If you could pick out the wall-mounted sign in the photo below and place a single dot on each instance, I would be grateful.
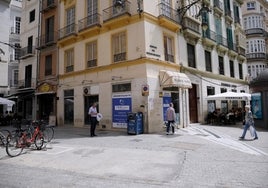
(145, 90)
(121, 107)
(256, 105)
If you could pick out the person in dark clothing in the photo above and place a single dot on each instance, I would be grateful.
(92, 112)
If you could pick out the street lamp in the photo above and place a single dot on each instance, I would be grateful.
(202, 12)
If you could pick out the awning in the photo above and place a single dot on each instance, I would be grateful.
(174, 79)
(46, 93)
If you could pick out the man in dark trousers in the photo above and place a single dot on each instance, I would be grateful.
(92, 112)
(171, 116)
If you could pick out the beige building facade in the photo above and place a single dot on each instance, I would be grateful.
(114, 57)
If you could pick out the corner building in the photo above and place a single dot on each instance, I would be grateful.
(130, 61)
(115, 56)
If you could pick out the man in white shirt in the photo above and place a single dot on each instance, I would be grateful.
(92, 112)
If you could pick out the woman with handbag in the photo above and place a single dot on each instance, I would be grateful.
(249, 121)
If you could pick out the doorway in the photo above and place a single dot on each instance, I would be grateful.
(193, 104)
(89, 100)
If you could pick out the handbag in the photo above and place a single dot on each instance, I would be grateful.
(252, 130)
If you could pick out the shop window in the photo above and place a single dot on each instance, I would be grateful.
(121, 87)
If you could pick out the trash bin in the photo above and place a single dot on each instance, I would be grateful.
(135, 123)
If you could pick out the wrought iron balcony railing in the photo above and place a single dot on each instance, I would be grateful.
(221, 40)
(47, 39)
(168, 12)
(112, 12)
(169, 57)
(27, 52)
(68, 30)
(27, 83)
(92, 63)
(48, 4)
(210, 35)
(120, 57)
(89, 21)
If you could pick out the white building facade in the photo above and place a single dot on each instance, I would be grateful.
(214, 59)
(255, 22)
(28, 60)
(10, 14)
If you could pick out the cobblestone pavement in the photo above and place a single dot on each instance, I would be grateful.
(196, 156)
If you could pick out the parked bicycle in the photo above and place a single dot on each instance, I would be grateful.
(22, 138)
(48, 130)
(3, 137)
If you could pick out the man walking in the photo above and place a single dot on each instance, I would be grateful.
(92, 112)
(170, 118)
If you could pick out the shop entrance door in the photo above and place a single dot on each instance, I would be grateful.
(89, 100)
(193, 104)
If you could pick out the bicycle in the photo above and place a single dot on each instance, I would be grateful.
(22, 138)
(3, 137)
(48, 130)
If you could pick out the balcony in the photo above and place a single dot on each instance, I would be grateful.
(218, 7)
(241, 53)
(92, 63)
(89, 21)
(209, 38)
(169, 57)
(27, 83)
(26, 52)
(89, 25)
(191, 28)
(46, 40)
(48, 5)
(67, 34)
(221, 43)
(228, 16)
(168, 17)
(113, 17)
(256, 56)
(255, 31)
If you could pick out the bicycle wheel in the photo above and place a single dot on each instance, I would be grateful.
(38, 141)
(14, 145)
(48, 134)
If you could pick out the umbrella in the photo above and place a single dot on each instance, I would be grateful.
(6, 101)
(230, 96)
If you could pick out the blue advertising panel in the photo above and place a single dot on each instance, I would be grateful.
(256, 105)
(122, 105)
(166, 101)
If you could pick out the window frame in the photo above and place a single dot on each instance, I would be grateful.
(119, 47)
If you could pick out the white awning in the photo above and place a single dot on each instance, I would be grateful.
(174, 79)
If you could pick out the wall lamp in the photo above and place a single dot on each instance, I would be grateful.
(202, 12)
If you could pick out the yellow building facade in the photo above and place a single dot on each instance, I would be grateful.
(124, 59)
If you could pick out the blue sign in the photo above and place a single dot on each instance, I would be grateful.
(256, 105)
(166, 101)
(122, 105)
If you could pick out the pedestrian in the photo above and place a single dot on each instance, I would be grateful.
(170, 115)
(92, 112)
(249, 121)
